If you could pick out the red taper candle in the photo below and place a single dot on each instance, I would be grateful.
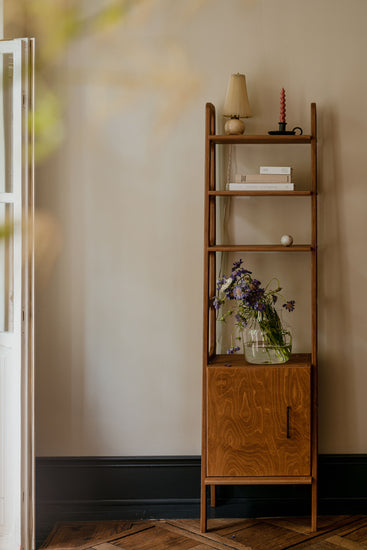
(282, 105)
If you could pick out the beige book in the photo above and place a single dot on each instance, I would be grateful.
(263, 178)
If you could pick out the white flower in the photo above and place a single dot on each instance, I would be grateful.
(228, 283)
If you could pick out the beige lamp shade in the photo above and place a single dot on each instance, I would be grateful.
(236, 103)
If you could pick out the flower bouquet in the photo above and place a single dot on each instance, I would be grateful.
(242, 297)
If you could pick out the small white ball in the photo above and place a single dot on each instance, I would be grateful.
(286, 240)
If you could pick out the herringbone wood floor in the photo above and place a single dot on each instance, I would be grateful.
(336, 532)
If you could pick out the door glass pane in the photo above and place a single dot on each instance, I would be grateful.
(6, 115)
(6, 270)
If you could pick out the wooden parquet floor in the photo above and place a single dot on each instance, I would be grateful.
(334, 533)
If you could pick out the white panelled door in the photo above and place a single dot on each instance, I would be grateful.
(16, 294)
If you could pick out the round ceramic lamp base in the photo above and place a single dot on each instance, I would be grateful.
(234, 126)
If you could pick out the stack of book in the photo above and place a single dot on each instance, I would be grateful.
(270, 178)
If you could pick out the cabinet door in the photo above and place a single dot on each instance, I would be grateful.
(259, 421)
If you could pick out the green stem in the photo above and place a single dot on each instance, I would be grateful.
(273, 333)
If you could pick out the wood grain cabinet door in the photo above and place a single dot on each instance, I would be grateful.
(259, 421)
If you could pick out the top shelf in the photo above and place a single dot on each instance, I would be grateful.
(259, 139)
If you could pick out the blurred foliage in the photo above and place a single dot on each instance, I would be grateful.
(56, 24)
(5, 230)
(48, 125)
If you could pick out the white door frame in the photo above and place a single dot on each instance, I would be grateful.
(17, 335)
(27, 396)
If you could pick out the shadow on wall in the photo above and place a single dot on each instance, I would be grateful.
(336, 379)
(48, 244)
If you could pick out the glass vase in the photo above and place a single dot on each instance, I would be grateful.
(264, 347)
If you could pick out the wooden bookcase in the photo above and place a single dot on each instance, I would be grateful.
(259, 421)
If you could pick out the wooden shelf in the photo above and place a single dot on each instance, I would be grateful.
(260, 193)
(259, 421)
(259, 248)
(259, 139)
(258, 480)
(238, 360)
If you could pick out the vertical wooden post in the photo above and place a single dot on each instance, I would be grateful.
(212, 234)
(212, 261)
(203, 518)
(314, 448)
(209, 269)
(212, 496)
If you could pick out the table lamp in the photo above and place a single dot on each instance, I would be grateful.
(236, 104)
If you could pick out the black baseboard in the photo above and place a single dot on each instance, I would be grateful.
(101, 488)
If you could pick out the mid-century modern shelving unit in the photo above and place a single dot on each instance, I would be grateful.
(259, 421)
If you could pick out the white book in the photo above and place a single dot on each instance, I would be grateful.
(260, 187)
(275, 169)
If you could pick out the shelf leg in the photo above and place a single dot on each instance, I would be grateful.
(314, 506)
(212, 496)
(203, 519)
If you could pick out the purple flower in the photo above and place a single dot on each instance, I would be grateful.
(238, 293)
(233, 349)
(254, 296)
(241, 271)
(289, 306)
(240, 322)
(254, 284)
(259, 306)
(236, 265)
(216, 303)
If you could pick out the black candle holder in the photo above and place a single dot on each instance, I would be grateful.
(283, 132)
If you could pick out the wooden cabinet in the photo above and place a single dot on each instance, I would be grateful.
(259, 421)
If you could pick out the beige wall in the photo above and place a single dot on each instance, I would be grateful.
(119, 323)
(1, 18)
